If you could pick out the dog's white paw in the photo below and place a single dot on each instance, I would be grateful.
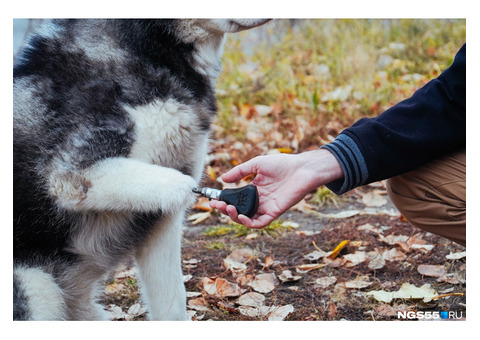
(176, 193)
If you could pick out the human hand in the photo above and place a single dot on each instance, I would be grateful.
(282, 180)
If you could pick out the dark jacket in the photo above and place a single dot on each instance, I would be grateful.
(428, 125)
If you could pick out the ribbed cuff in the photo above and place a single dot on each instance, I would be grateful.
(353, 164)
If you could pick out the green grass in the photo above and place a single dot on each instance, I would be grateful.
(323, 70)
(324, 197)
(275, 228)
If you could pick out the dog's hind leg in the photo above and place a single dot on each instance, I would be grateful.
(161, 278)
(36, 296)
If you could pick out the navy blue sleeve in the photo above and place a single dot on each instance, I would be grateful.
(421, 128)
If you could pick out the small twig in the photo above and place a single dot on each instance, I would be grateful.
(445, 295)
(316, 247)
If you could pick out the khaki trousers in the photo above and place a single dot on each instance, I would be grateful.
(433, 197)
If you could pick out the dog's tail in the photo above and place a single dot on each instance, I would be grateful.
(36, 296)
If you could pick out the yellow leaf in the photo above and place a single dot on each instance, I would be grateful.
(248, 111)
(284, 150)
(211, 173)
(244, 109)
(337, 249)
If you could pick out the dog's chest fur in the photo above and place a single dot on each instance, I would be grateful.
(165, 133)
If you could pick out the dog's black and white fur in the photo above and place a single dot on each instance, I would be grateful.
(111, 122)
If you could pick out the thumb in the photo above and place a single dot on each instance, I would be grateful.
(241, 171)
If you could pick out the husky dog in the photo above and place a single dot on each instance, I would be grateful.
(111, 123)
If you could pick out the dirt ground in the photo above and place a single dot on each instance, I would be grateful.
(336, 290)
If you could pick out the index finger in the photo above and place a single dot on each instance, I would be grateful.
(240, 171)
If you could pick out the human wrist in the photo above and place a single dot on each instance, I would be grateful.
(321, 166)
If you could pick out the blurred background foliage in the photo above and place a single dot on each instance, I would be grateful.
(321, 75)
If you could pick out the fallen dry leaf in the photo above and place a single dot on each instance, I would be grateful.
(192, 263)
(316, 254)
(210, 171)
(260, 311)
(338, 262)
(245, 279)
(339, 215)
(387, 310)
(355, 258)
(407, 291)
(453, 278)
(432, 270)
(193, 294)
(241, 255)
(114, 288)
(250, 311)
(125, 272)
(252, 299)
(371, 228)
(337, 249)
(220, 287)
(358, 243)
(325, 281)
(416, 239)
(425, 248)
(393, 239)
(199, 217)
(191, 315)
(307, 232)
(304, 268)
(234, 266)
(456, 256)
(199, 304)
(136, 310)
(358, 283)
(203, 204)
(268, 262)
(264, 283)
(376, 260)
(394, 255)
(280, 313)
(373, 199)
(286, 276)
(115, 312)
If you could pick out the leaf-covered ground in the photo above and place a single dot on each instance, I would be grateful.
(287, 272)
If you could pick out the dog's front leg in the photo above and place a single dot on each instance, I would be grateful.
(160, 272)
(122, 184)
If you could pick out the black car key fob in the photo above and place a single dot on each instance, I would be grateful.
(245, 199)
